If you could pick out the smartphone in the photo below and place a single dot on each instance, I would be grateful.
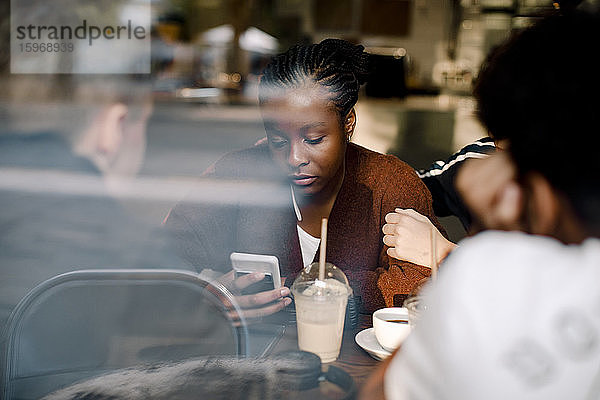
(245, 263)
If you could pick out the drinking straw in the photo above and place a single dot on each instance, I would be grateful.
(433, 252)
(323, 249)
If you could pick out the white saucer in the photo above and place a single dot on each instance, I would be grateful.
(366, 339)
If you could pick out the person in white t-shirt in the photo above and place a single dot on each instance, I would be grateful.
(515, 314)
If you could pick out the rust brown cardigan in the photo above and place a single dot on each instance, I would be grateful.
(374, 184)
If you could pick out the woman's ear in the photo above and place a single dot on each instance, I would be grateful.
(110, 128)
(350, 123)
(103, 138)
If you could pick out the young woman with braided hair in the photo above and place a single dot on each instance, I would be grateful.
(307, 97)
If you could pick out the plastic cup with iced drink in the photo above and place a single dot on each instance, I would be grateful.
(320, 310)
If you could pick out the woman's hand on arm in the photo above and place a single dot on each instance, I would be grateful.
(408, 235)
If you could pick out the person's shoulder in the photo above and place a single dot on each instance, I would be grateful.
(491, 247)
(42, 150)
(373, 165)
(448, 168)
(370, 158)
(512, 243)
(516, 257)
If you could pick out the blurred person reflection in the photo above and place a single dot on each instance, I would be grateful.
(67, 143)
(514, 312)
(307, 97)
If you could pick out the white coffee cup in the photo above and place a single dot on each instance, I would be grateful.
(391, 326)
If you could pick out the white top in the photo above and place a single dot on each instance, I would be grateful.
(511, 316)
(308, 245)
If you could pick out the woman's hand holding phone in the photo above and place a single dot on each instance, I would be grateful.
(255, 305)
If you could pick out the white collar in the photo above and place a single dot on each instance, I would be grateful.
(296, 208)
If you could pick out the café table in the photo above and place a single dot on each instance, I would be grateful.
(352, 359)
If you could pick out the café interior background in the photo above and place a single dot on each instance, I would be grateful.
(207, 55)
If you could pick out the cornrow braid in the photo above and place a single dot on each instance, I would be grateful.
(337, 65)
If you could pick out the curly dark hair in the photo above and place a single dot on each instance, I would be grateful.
(541, 91)
(337, 65)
